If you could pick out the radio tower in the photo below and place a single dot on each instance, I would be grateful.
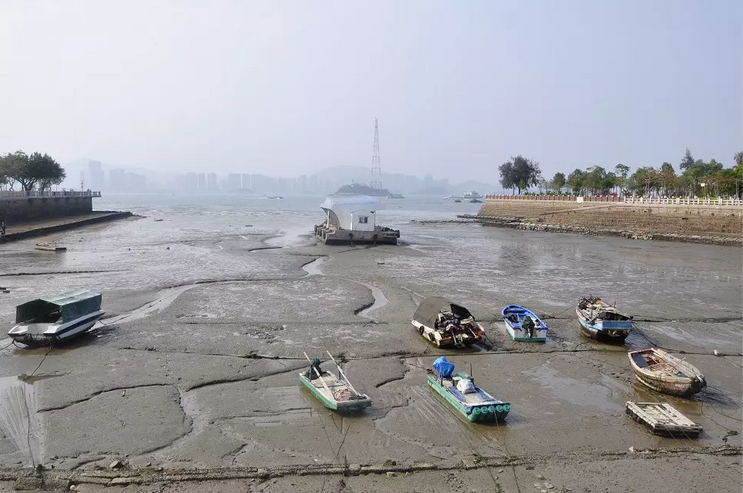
(376, 171)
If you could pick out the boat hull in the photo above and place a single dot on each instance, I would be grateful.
(447, 340)
(675, 389)
(486, 412)
(55, 333)
(605, 331)
(682, 380)
(342, 406)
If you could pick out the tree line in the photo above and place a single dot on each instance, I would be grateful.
(34, 172)
(696, 178)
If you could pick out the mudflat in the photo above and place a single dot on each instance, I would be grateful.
(191, 380)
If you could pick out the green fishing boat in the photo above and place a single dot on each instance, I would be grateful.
(460, 391)
(335, 392)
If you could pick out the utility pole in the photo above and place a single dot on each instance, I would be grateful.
(376, 171)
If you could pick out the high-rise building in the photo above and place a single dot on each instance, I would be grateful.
(96, 175)
(118, 180)
(191, 182)
(201, 182)
(247, 182)
(234, 182)
(212, 182)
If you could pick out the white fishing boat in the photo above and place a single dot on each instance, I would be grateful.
(56, 318)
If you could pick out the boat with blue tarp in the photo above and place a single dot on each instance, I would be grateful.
(523, 325)
(460, 391)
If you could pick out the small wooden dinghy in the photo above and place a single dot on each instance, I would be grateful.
(335, 392)
(523, 325)
(663, 419)
(601, 321)
(460, 391)
(50, 247)
(666, 373)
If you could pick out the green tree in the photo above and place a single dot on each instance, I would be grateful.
(576, 180)
(621, 171)
(520, 173)
(558, 181)
(667, 177)
(31, 171)
(45, 170)
(739, 159)
(687, 162)
(644, 180)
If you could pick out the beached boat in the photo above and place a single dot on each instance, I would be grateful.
(663, 419)
(446, 324)
(523, 325)
(666, 373)
(335, 392)
(460, 391)
(601, 321)
(50, 247)
(56, 318)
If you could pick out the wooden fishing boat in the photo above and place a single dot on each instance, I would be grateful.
(460, 391)
(50, 247)
(446, 324)
(523, 325)
(666, 373)
(601, 321)
(663, 419)
(335, 392)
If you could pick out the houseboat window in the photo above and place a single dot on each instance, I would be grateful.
(363, 219)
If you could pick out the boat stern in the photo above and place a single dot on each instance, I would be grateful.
(488, 412)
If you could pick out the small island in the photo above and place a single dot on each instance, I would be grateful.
(359, 189)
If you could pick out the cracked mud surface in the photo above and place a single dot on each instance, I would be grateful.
(195, 366)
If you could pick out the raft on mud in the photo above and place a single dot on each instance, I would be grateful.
(601, 321)
(663, 419)
(666, 373)
(335, 392)
(460, 391)
(446, 324)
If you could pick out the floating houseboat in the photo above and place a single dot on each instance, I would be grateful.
(352, 219)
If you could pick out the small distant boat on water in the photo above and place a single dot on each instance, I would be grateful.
(335, 392)
(275, 197)
(460, 391)
(395, 196)
(666, 373)
(458, 201)
(475, 201)
(523, 325)
(601, 321)
(56, 318)
(446, 324)
(50, 247)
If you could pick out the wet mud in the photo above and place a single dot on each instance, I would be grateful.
(195, 366)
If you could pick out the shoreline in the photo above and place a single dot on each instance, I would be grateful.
(47, 228)
(530, 225)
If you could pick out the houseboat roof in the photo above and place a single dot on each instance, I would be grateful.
(73, 305)
(356, 201)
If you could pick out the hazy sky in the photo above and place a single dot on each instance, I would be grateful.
(289, 87)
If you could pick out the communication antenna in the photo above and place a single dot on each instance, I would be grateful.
(376, 171)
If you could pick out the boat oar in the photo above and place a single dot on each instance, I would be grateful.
(342, 373)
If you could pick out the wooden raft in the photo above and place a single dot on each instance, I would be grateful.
(663, 419)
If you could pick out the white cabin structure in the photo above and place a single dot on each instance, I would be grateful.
(353, 219)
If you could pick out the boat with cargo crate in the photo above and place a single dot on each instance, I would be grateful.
(666, 373)
(460, 391)
(334, 392)
(601, 321)
(56, 318)
(446, 324)
(663, 419)
(523, 325)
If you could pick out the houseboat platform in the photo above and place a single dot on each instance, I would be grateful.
(351, 220)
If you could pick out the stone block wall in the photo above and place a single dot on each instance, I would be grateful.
(16, 210)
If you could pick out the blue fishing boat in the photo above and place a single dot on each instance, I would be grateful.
(460, 391)
(523, 325)
(601, 321)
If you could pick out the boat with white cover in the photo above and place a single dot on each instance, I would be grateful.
(56, 318)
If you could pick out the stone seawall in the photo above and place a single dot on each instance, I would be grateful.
(702, 224)
(20, 209)
(49, 227)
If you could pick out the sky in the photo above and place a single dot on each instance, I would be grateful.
(289, 87)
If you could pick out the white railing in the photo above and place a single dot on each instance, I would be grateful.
(680, 201)
(14, 194)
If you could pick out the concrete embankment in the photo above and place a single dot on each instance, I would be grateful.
(42, 228)
(718, 225)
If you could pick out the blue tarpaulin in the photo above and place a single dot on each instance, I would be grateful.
(443, 367)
